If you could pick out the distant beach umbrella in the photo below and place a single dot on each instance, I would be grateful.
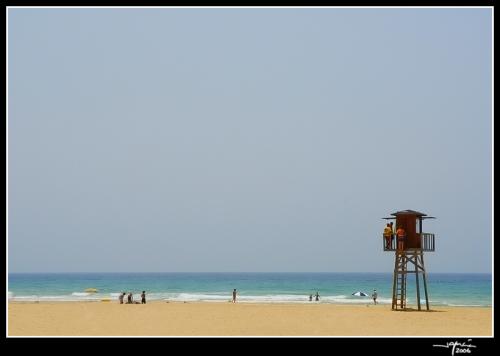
(360, 294)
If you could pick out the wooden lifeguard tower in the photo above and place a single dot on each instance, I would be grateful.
(411, 250)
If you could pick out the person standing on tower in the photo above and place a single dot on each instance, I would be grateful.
(392, 231)
(387, 236)
(401, 234)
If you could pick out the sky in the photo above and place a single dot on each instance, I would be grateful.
(253, 139)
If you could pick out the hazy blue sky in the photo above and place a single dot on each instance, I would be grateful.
(246, 139)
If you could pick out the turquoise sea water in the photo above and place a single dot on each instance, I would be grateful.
(444, 289)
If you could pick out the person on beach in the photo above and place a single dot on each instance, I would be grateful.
(143, 297)
(400, 234)
(234, 295)
(130, 299)
(120, 297)
(317, 296)
(387, 236)
(374, 296)
(310, 297)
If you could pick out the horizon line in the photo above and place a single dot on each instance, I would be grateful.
(234, 272)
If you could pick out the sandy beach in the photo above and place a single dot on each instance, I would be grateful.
(160, 318)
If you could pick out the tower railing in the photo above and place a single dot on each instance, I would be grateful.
(389, 245)
(427, 242)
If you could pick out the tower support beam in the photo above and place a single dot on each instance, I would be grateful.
(416, 259)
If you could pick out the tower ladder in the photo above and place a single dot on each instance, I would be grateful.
(399, 285)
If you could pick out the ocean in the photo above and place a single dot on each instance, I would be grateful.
(445, 289)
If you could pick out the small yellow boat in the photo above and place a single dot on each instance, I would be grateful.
(91, 290)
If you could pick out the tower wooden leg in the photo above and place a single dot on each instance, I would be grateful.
(394, 289)
(425, 282)
(416, 278)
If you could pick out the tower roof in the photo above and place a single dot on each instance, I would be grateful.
(408, 212)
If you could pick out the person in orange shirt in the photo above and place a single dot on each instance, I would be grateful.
(387, 236)
(392, 231)
(401, 234)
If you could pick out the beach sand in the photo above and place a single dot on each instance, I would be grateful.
(160, 318)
